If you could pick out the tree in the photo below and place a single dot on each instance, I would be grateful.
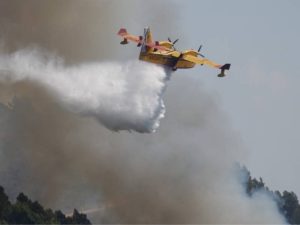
(295, 219)
(24, 211)
(4, 204)
(290, 205)
(287, 202)
(78, 218)
(60, 217)
(22, 198)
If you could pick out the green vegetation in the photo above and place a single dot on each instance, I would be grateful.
(24, 211)
(287, 202)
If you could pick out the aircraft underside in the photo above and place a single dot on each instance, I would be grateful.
(174, 63)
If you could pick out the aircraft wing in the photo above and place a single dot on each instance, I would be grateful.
(201, 61)
(168, 52)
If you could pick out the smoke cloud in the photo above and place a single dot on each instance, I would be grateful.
(172, 176)
(182, 173)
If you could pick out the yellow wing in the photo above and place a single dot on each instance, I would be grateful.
(170, 53)
(201, 61)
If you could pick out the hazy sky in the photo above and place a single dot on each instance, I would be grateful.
(259, 38)
(260, 94)
(258, 97)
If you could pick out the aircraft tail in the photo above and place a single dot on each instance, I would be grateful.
(147, 41)
(223, 68)
(122, 32)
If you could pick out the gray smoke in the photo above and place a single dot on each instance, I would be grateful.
(180, 174)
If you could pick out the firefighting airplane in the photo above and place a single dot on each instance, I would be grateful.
(164, 52)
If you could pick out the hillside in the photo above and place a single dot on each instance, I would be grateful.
(25, 211)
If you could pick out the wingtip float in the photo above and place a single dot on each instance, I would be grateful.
(164, 52)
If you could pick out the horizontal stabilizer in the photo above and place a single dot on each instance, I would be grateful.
(225, 66)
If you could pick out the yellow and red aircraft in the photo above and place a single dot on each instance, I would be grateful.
(164, 52)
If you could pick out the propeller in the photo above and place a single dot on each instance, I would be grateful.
(174, 42)
(199, 49)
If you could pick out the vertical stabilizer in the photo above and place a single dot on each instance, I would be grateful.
(147, 40)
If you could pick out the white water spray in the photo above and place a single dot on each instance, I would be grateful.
(122, 96)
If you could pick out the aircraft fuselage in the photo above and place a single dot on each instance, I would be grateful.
(166, 60)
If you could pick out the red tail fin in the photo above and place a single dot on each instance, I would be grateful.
(122, 32)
